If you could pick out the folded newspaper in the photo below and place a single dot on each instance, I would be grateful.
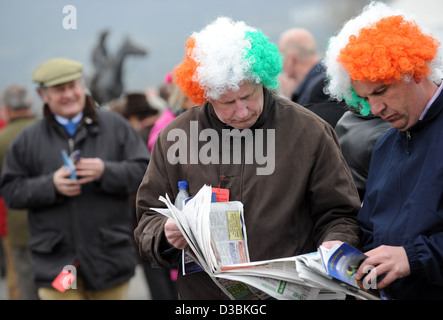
(217, 239)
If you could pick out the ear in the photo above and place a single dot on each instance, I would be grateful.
(42, 95)
(417, 80)
(293, 58)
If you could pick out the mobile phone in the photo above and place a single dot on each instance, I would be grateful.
(69, 163)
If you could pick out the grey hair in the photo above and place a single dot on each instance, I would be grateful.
(16, 97)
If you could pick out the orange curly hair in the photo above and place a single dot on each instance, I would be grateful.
(184, 75)
(378, 54)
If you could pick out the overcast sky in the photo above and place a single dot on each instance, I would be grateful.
(32, 31)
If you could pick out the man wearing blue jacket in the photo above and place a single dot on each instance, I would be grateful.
(383, 63)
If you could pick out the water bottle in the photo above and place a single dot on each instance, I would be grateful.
(183, 194)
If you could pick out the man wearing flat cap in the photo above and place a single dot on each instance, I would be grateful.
(79, 218)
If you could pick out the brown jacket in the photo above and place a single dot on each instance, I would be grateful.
(309, 198)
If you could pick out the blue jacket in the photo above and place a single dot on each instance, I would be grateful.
(403, 205)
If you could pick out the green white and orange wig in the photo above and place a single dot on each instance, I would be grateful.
(224, 55)
(379, 45)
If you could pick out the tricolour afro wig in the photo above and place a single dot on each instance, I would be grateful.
(224, 55)
(379, 45)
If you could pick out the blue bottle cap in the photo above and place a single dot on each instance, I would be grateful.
(183, 185)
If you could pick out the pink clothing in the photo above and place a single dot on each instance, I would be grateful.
(166, 117)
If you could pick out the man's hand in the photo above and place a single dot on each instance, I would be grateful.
(86, 169)
(65, 185)
(173, 235)
(89, 169)
(388, 260)
(330, 244)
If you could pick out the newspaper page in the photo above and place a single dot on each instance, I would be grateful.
(282, 269)
(238, 290)
(342, 262)
(310, 268)
(278, 289)
(216, 234)
(228, 239)
(195, 211)
(185, 228)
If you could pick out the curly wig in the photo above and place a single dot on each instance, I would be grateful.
(379, 45)
(224, 55)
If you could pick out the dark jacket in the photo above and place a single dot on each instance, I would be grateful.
(309, 197)
(403, 205)
(94, 228)
(310, 91)
(310, 94)
(357, 135)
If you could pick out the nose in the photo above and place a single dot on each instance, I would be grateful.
(377, 106)
(68, 93)
(241, 110)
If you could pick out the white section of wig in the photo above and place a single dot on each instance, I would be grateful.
(219, 50)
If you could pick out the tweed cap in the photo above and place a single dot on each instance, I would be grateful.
(57, 71)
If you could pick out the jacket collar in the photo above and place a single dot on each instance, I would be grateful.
(434, 111)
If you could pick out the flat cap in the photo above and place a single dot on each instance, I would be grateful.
(57, 71)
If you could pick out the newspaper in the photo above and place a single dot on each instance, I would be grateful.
(217, 239)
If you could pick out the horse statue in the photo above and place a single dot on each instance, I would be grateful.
(106, 83)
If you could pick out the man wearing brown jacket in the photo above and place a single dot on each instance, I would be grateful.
(280, 160)
(18, 108)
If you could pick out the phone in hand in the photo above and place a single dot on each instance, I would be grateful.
(70, 161)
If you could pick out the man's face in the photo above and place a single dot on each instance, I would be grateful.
(240, 109)
(400, 103)
(66, 100)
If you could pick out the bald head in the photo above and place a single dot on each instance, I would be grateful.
(298, 41)
(299, 49)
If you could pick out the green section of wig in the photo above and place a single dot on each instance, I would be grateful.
(265, 59)
(358, 104)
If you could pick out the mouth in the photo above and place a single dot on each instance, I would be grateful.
(71, 103)
(243, 123)
(392, 118)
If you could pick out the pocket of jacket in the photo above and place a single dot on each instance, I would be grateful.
(113, 237)
(45, 242)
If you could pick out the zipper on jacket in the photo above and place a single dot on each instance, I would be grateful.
(408, 152)
(71, 145)
(400, 200)
(408, 142)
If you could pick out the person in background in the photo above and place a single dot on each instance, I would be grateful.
(18, 108)
(79, 217)
(303, 68)
(177, 103)
(140, 114)
(136, 107)
(384, 63)
(290, 200)
(302, 64)
(7, 267)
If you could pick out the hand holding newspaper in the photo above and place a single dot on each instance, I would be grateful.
(215, 232)
(217, 238)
